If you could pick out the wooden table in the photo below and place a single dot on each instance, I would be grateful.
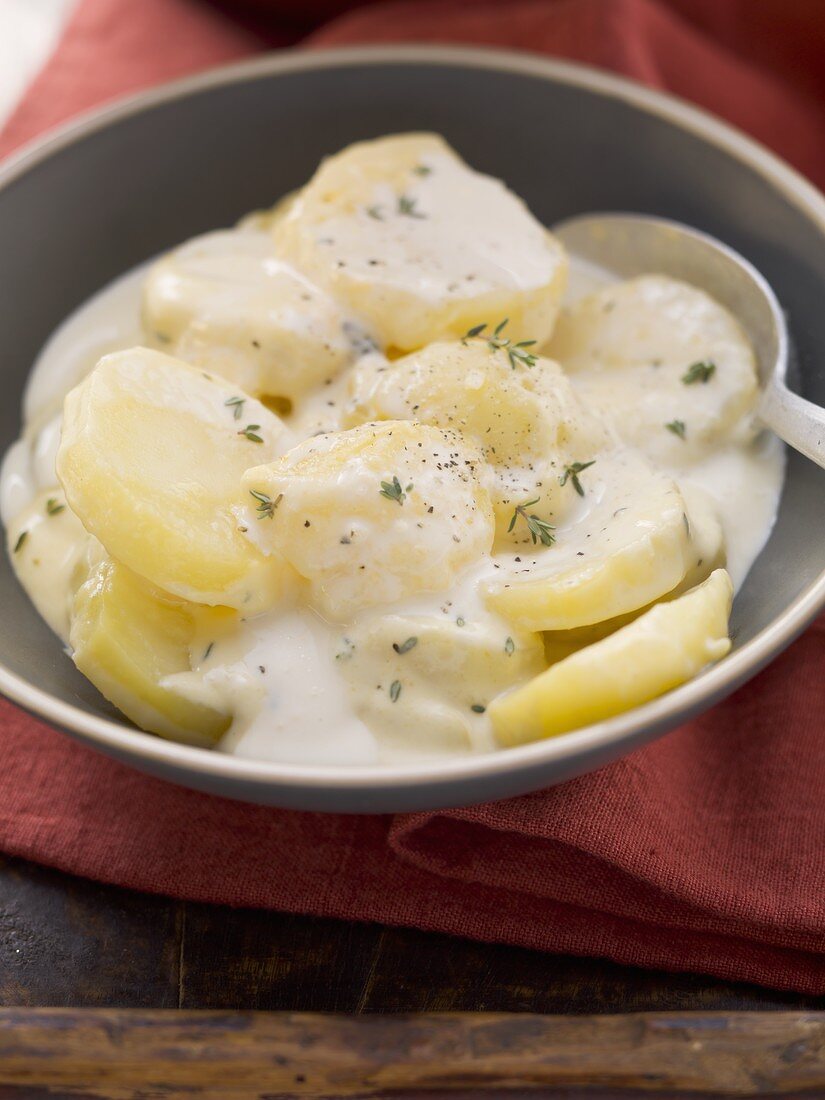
(69, 942)
(79, 945)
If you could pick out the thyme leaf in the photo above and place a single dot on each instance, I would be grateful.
(405, 647)
(236, 404)
(540, 530)
(392, 490)
(678, 427)
(516, 352)
(266, 505)
(701, 371)
(406, 206)
(571, 474)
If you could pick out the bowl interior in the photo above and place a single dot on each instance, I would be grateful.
(124, 191)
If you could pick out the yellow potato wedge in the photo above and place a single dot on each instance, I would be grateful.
(653, 352)
(657, 652)
(629, 545)
(127, 636)
(226, 303)
(421, 247)
(151, 460)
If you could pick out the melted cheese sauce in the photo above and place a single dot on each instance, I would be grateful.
(287, 676)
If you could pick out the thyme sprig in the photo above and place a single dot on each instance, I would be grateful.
(540, 530)
(251, 433)
(571, 474)
(266, 505)
(405, 647)
(516, 353)
(701, 371)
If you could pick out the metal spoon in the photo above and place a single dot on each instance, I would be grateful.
(633, 244)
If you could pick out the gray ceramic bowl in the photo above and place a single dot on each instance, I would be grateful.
(123, 184)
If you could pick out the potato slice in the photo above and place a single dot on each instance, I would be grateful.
(708, 553)
(151, 459)
(628, 545)
(527, 420)
(662, 649)
(127, 636)
(226, 303)
(653, 352)
(421, 247)
(374, 514)
(422, 682)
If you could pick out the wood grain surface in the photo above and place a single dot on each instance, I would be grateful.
(111, 957)
(69, 942)
(135, 1053)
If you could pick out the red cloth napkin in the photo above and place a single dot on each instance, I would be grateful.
(704, 851)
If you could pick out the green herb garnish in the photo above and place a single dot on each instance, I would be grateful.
(405, 647)
(54, 507)
(571, 474)
(678, 427)
(477, 708)
(207, 651)
(422, 170)
(509, 647)
(392, 490)
(251, 433)
(702, 371)
(375, 212)
(236, 404)
(21, 538)
(395, 690)
(266, 505)
(406, 206)
(516, 353)
(540, 530)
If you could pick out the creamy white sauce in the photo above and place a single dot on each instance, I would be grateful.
(279, 672)
(437, 250)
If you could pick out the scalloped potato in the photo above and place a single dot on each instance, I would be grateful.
(527, 420)
(375, 514)
(420, 246)
(376, 492)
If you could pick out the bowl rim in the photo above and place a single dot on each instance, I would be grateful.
(641, 723)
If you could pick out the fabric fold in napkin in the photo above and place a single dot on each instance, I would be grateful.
(704, 851)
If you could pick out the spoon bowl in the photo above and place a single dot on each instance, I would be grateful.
(634, 244)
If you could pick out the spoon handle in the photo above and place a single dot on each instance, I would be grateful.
(799, 422)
